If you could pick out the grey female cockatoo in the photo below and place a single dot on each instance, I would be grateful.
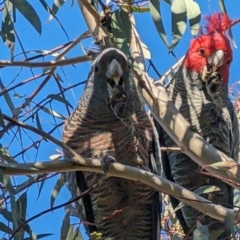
(110, 124)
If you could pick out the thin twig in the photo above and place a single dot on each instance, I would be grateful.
(127, 172)
(45, 81)
(91, 10)
(55, 208)
(54, 63)
(176, 65)
(171, 149)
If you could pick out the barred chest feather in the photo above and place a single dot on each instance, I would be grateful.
(128, 141)
(93, 138)
(189, 95)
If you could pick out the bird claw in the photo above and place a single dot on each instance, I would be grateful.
(106, 161)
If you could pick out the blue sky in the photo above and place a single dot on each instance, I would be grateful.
(53, 36)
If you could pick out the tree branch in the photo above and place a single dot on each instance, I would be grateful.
(191, 143)
(92, 19)
(54, 63)
(131, 173)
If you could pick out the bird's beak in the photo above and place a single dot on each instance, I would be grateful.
(216, 60)
(114, 71)
(117, 95)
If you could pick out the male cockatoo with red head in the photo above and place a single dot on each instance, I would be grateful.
(199, 90)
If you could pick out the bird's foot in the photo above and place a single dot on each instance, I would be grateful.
(106, 161)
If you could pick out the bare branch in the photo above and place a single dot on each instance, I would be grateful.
(171, 149)
(56, 63)
(92, 19)
(191, 143)
(163, 78)
(131, 173)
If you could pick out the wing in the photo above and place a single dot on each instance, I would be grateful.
(234, 135)
(75, 180)
(155, 167)
(167, 172)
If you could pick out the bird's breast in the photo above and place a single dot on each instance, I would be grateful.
(128, 144)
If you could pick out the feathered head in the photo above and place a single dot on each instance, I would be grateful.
(211, 49)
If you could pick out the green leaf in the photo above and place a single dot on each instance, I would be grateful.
(236, 199)
(39, 126)
(136, 9)
(16, 95)
(21, 209)
(28, 230)
(199, 191)
(49, 10)
(5, 228)
(21, 204)
(2, 124)
(15, 216)
(179, 21)
(220, 165)
(157, 18)
(222, 6)
(55, 7)
(215, 234)
(121, 30)
(193, 15)
(55, 157)
(40, 189)
(60, 99)
(8, 33)
(224, 10)
(201, 232)
(56, 190)
(7, 98)
(29, 13)
(230, 225)
(53, 113)
(39, 236)
(6, 181)
(7, 215)
(74, 234)
(65, 226)
(206, 189)
(4, 154)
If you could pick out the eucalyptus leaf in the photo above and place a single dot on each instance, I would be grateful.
(179, 21)
(121, 30)
(7, 31)
(39, 236)
(193, 15)
(201, 232)
(5, 228)
(56, 190)
(65, 226)
(224, 10)
(157, 18)
(26, 9)
(60, 99)
(53, 113)
(55, 8)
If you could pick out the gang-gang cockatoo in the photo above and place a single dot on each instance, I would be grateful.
(110, 124)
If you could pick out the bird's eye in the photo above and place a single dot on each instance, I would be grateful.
(228, 62)
(111, 82)
(202, 51)
(96, 68)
